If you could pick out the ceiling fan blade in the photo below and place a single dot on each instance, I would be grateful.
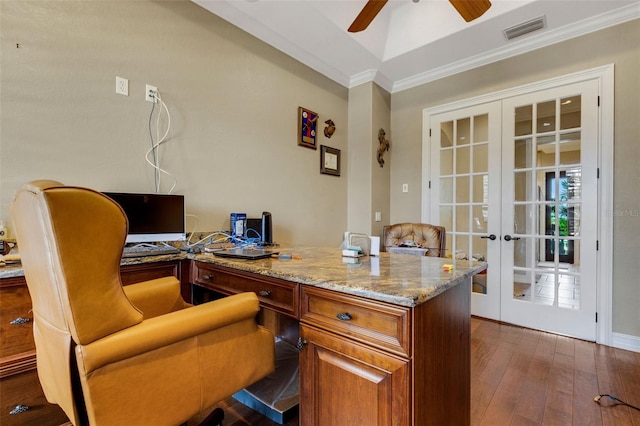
(366, 15)
(471, 9)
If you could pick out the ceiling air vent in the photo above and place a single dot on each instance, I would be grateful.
(525, 28)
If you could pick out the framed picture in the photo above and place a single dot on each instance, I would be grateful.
(329, 160)
(307, 128)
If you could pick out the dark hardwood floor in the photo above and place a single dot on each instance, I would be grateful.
(526, 377)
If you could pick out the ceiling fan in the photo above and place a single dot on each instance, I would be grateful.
(468, 9)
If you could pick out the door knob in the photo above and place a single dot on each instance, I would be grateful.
(491, 237)
(509, 238)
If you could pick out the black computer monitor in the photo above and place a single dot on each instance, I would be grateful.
(152, 217)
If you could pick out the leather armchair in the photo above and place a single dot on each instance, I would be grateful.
(114, 355)
(414, 238)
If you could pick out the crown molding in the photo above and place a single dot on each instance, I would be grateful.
(525, 45)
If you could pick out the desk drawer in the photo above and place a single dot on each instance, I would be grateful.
(280, 296)
(16, 318)
(131, 274)
(379, 324)
(23, 403)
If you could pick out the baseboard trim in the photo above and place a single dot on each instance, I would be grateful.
(625, 341)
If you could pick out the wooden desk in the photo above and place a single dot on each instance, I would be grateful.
(383, 342)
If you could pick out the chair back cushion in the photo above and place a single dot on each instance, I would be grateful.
(70, 241)
(420, 235)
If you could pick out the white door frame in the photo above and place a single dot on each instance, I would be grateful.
(605, 77)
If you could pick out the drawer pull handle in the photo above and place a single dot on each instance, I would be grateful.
(344, 316)
(264, 293)
(207, 277)
(19, 409)
(20, 320)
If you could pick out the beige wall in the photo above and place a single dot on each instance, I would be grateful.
(369, 111)
(359, 165)
(380, 176)
(619, 45)
(233, 103)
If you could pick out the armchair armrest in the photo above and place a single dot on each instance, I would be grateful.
(156, 297)
(166, 329)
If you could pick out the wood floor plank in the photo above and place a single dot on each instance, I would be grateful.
(609, 382)
(586, 412)
(522, 421)
(531, 401)
(558, 409)
(504, 402)
(628, 369)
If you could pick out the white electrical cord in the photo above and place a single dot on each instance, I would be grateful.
(154, 148)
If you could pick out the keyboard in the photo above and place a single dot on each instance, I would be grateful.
(142, 251)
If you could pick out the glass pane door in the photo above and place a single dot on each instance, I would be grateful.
(466, 179)
(549, 225)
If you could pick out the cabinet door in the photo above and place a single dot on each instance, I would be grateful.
(346, 383)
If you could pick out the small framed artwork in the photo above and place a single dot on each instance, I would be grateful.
(307, 126)
(329, 160)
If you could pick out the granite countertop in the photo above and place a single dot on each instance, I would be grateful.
(11, 270)
(399, 279)
(15, 269)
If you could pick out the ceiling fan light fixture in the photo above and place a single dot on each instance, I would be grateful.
(468, 9)
(525, 28)
(471, 9)
(366, 15)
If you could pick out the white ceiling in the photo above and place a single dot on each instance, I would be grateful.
(410, 43)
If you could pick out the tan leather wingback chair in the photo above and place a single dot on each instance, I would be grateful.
(114, 355)
(418, 238)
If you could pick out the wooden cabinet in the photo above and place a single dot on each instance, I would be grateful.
(366, 362)
(355, 367)
(23, 402)
(343, 382)
(378, 324)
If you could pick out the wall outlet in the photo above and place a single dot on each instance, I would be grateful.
(151, 93)
(122, 86)
(405, 187)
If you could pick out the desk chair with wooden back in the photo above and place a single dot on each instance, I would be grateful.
(114, 355)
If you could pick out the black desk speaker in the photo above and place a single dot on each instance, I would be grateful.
(267, 230)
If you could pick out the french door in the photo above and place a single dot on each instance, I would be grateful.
(514, 182)
(549, 213)
(466, 192)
